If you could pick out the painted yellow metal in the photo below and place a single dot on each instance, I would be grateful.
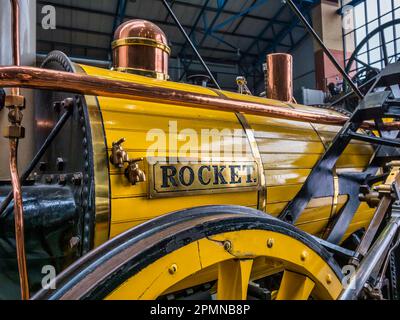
(288, 150)
(295, 286)
(249, 250)
(233, 279)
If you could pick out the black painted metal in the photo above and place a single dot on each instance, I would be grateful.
(168, 7)
(35, 161)
(319, 183)
(51, 220)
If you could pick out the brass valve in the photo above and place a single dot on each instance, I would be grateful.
(15, 104)
(133, 173)
(119, 157)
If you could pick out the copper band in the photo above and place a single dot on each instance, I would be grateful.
(142, 72)
(142, 42)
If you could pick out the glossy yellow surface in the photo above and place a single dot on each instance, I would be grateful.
(248, 259)
(289, 150)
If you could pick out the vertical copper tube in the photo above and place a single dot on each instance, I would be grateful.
(279, 77)
(16, 185)
(15, 38)
(19, 220)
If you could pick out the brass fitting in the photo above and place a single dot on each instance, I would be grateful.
(133, 173)
(118, 154)
(119, 157)
(15, 104)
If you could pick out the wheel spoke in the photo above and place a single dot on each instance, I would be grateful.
(295, 286)
(233, 279)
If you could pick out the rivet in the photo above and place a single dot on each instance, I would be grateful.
(270, 243)
(328, 279)
(304, 256)
(227, 245)
(173, 269)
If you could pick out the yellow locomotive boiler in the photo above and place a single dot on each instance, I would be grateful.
(152, 189)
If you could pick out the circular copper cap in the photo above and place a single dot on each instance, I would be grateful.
(141, 47)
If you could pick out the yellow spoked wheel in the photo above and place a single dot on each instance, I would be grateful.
(222, 251)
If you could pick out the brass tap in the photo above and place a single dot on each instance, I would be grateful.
(119, 157)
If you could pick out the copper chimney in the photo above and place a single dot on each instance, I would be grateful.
(279, 77)
(141, 47)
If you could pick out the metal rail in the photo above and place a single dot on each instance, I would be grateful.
(36, 78)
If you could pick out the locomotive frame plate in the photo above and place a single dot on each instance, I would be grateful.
(184, 179)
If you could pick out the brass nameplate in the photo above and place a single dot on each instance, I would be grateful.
(168, 180)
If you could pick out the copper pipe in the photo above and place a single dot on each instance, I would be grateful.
(36, 78)
(19, 220)
(16, 53)
(279, 77)
(16, 185)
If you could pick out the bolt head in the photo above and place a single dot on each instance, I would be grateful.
(173, 269)
(270, 243)
(329, 278)
(304, 256)
(227, 245)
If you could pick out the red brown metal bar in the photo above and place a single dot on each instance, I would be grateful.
(36, 78)
(19, 220)
(16, 54)
(16, 185)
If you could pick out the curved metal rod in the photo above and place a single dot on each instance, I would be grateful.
(16, 185)
(19, 220)
(36, 78)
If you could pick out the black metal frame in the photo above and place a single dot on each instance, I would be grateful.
(375, 106)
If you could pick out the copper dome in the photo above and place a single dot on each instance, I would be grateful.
(141, 47)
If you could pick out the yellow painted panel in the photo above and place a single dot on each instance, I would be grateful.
(129, 209)
(241, 97)
(353, 161)
(315, 228)
(282, 193)
(114, 75)
(315, 214)
(289, 146)
(289, 161)
(282, 177)
(275, 209)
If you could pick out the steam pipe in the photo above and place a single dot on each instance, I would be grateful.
(16, 185)
(16, 53)
(36, 78)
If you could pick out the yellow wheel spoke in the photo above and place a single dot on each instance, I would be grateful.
(295, 286)
(233, 279)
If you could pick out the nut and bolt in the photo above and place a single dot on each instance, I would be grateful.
(77, 179)
(49, 179)
(270, 243)
(227, 245)
(173, 269)
(60, 164)
(62, 180)
(304, 256)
